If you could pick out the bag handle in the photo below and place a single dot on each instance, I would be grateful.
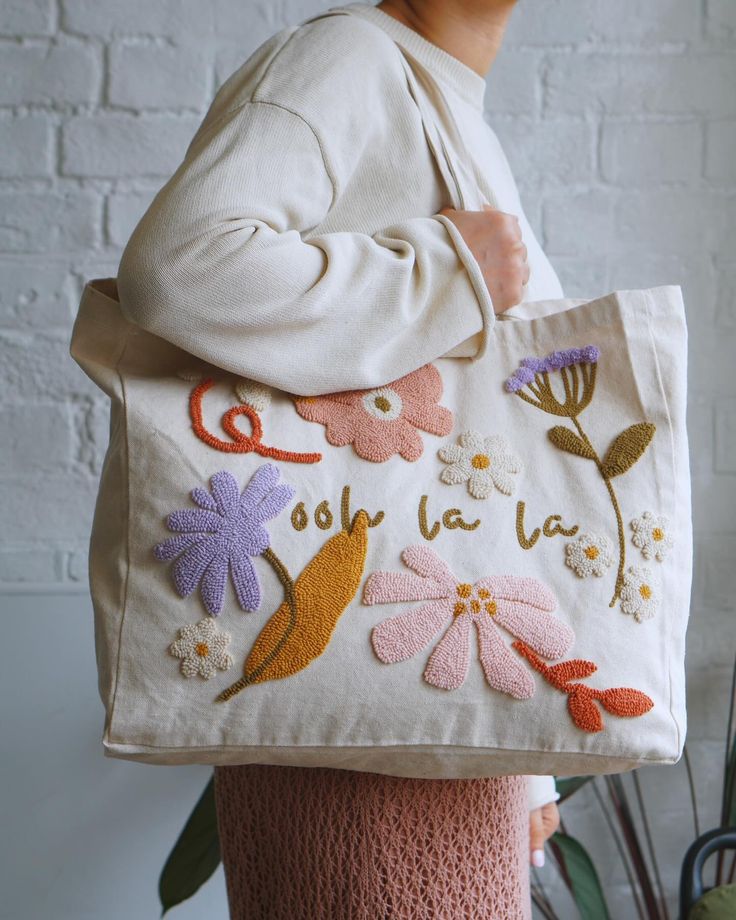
(463, 184)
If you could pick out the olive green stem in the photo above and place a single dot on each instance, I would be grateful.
(617, 511)
(251, 677)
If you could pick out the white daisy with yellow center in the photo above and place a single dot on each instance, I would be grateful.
(484, 463)
(383, 403)
(638, 595)
(202, 649)
(652, 535)
(590, 554)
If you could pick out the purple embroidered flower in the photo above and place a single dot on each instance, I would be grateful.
(224, 531)
(553, 362)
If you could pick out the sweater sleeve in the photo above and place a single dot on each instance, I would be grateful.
(223, 265)
(542, 790)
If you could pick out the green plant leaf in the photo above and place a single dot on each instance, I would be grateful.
(574, 861)
(627, 448)
(567, 440)
(195, 856)
(567, 785)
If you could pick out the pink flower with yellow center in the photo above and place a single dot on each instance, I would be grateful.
(520, 606)
(383, 421)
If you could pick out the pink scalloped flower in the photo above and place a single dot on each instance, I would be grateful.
(521, 606)
(384, 421)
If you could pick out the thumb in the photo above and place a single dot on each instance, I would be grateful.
(536, 837)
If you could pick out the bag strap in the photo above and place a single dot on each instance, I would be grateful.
(463, 184)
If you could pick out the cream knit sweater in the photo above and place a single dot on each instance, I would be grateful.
(298, 243)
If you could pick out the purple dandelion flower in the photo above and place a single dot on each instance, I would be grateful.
(554, 361)
(224, 532)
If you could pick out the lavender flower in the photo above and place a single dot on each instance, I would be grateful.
(576, 367)
(224, 531)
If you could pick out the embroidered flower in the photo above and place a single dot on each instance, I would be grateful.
(201, 647)
(590, 554)
(194, 373)
(637, 595)
(384, 421)
(253, 394)
(484, 463)
(224, 531)
(577, 367)
(519, 605)
(651, 535)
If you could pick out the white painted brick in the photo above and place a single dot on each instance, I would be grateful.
(720, 161)
(171, 18)
(158, 76)
(651, 153)
(35, 295)
(726, 436)
(578, 225)
(662, 221)
(125, 145)
(33, 565)
(567, 22)
(48, 221)
(725, 316)
(93, 430)
(77, 565)
(721, 19)
(513, 84)
(643, 268)
(701, 433)
(37, 365)
(61, 509)
(26, 17)
(25, 147)
(549, 153)
(124, 210)
(50, 75)
(622, 84)
(37, 438)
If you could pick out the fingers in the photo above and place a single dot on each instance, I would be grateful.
(536, 837)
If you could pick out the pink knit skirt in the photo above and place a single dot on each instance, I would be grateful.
(312, 843)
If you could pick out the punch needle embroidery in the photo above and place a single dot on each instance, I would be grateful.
(202, 649)
(385, 421)
(638, 597)
(590, 554)
(619, 701)
(652, 535)
(485, 463)
(576, 370)
(239, 443)
(253, 394)
(521, 606)
(301, 629)
(224, 531)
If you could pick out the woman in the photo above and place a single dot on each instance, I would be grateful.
(303, 242)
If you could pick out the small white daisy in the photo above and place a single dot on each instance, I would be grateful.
(253, 394)
(590, 554)
(484, 463)
(638, 597)
(651, 535)
(201, 647)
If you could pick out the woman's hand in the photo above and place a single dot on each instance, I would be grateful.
(543, 822)
(494, 238)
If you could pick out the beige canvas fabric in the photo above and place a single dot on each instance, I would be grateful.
(348, 708)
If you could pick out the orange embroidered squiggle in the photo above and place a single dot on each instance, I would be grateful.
(619, 701)
(241, 443)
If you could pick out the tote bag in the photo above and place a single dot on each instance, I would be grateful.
(480, 568)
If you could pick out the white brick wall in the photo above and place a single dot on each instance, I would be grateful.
(618, 118)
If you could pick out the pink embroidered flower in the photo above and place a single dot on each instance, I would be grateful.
(520, 605)
(385, 421)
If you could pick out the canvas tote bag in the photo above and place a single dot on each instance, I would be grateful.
(480, 568)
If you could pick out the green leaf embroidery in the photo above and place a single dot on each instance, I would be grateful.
(627, 448)
(579, 869)
(195, 856)
(567, 440)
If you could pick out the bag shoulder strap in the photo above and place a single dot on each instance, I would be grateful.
(462, 194)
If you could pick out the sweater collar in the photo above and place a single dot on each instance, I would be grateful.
(443, 65)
